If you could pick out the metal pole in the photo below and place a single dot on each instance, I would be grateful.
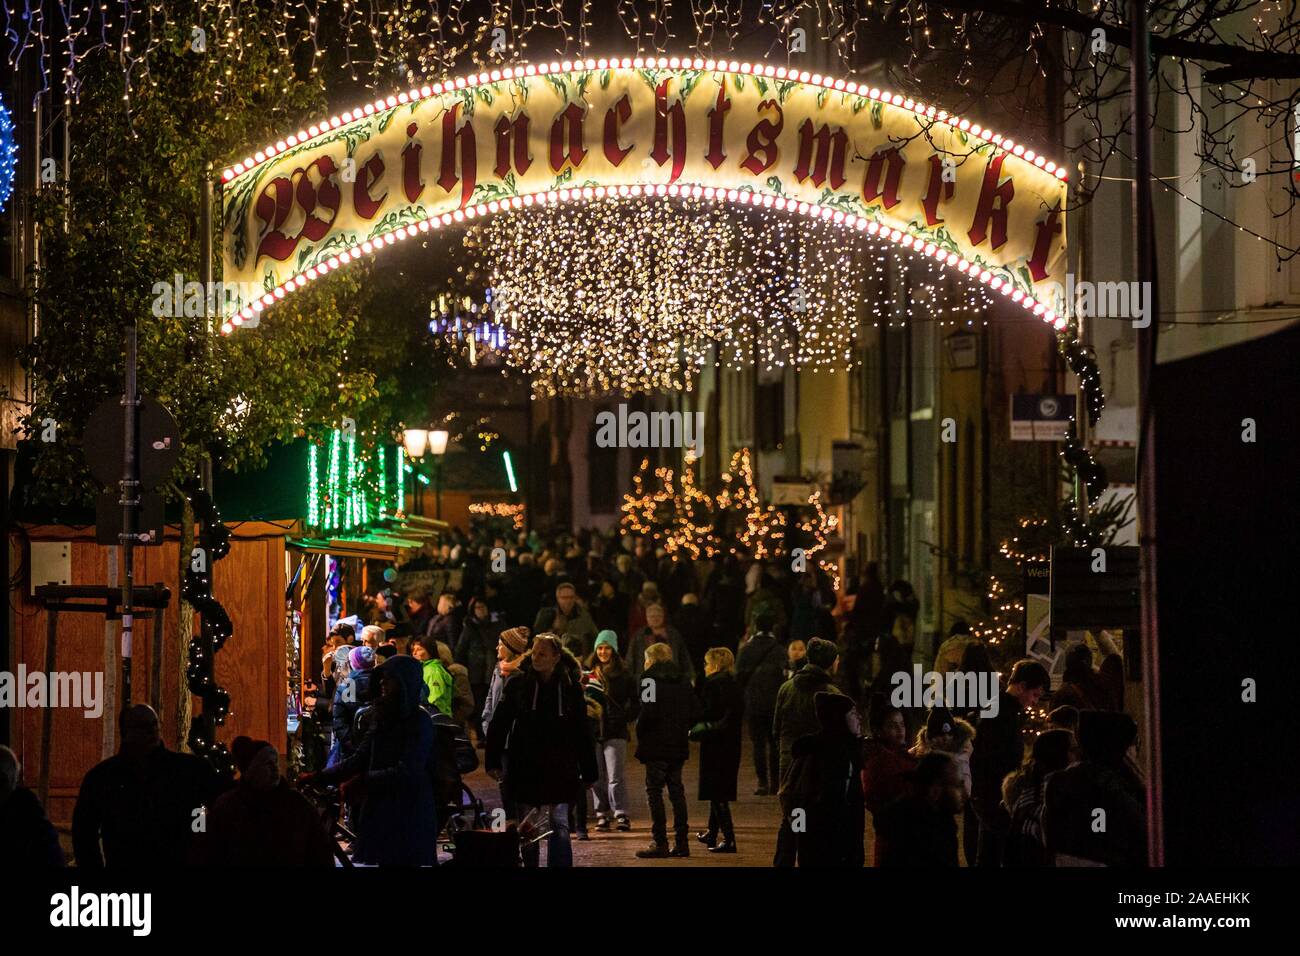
(130, 501)
(47, 713)
(1146, 481)
(209, 309)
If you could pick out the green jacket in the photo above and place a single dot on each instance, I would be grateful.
(796, 712)
(440, 684)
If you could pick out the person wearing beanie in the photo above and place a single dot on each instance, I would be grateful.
(263, 821)
(796, 716)
(384, 651)
(1000, 749)
(1022, 795)
(511, 647)
(952, 735)
(351, 694)
(815, 785)
(1104, 779)
(611, 732)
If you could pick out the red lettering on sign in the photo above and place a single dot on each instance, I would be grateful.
(326, 196)
(762, 139)
(886, 164)
(412, 184)
(715, 155)
(830, 152)
(464, 136)
(1049, 226)
(663, 113)
(273, 206)
(936, 190)
(568, 127)
(367, 176)
(995, 197)
(615, 116)
(512, 133)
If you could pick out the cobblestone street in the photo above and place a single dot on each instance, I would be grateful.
(756, 819)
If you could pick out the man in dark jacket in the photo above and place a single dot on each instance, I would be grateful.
(999, 749)
(263, 821)
(569, 619)
(796, 712)
(541, 728)
(696, 631)
(28, 840)
(668, 709)
(1103, 780)
(140, 805)
(824, 785)
(920, 829)
(759, 670)
(795, 717)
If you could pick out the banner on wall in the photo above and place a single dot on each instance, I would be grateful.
(480, 144)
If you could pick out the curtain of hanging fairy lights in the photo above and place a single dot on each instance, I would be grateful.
(637, 295)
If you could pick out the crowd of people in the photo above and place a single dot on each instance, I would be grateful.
(560, 658)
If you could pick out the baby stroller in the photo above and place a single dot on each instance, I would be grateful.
(458, 808)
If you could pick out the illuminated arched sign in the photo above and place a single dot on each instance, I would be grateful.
(937, 184)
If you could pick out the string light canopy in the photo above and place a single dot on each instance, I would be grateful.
(634, 294)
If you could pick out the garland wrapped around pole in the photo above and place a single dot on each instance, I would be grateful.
(196, 588)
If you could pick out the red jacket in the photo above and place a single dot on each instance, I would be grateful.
(883, 782)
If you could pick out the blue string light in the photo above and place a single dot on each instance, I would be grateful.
(8, 155)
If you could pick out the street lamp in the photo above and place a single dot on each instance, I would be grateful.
(416, 440)
(438, 445)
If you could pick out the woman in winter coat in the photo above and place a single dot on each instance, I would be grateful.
(541, 728)
(619, 709)
(390, 775)
(352, 693)
(719, 732)
(952, 735)
(477, 651)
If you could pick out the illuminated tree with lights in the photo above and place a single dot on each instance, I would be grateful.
(756, 530)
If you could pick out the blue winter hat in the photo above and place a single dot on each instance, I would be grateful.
(607, 637)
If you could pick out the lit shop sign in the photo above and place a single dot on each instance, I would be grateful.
(939, 185)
